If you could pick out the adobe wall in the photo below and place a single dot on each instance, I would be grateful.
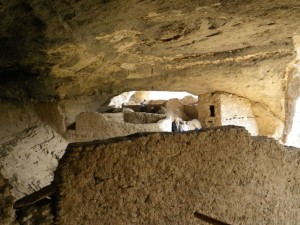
(95, 126)
(237, 111)
(163, 178)
(142, 118)
(204, 103)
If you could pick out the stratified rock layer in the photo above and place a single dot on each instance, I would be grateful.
(164, 178)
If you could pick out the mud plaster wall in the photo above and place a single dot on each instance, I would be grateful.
(163, 178)
(142, 118)
(237, 111)
(204, 114)
(95, 126)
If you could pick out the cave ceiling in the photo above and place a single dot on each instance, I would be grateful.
(69, 49)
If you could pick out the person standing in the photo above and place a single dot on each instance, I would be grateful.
(143, 105)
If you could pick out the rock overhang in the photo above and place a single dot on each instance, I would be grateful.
(243, 48)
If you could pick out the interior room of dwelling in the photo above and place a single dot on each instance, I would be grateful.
(149, 112)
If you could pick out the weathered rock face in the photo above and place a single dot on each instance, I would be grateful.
(165, 178)
(30, 149)
(68, 49)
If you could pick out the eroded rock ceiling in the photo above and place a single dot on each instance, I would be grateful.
(66, 49)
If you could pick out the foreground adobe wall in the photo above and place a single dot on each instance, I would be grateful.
(164, 178)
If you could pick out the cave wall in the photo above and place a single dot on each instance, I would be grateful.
(164, 178)
(268, 124)
(237, 111)
(51, 114)
(30, 148)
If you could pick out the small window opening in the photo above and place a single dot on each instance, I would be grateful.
(212, 110)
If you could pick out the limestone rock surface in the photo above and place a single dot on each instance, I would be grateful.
(30, 149)
(73, 49)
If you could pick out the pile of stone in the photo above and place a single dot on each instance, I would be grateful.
(36, 208)
(7, 212)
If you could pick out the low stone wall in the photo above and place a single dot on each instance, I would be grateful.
(7, 212)
(95, 126)
(164, 178)
(142, 118)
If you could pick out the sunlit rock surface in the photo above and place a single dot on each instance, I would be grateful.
(81, 48)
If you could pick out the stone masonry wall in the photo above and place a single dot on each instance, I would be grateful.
(163, 178)
(95, 126)
(142, 118)
(7, 212)
(204, 114)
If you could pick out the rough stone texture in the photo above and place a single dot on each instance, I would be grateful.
(73, 107)
(40, 213)
(237, 111)
(229, 109)
(189, 100)
(142, 118)
(115, 116)
(291, 134)
(30, 149)
(191, 111)
(165, 178)
(7, 212)
(241, 47)
(268, 124)
(206, 101)
(52, 115)
(176, 107)
(95, 126)
(119, 100)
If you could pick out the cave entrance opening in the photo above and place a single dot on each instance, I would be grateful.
(136, 97)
